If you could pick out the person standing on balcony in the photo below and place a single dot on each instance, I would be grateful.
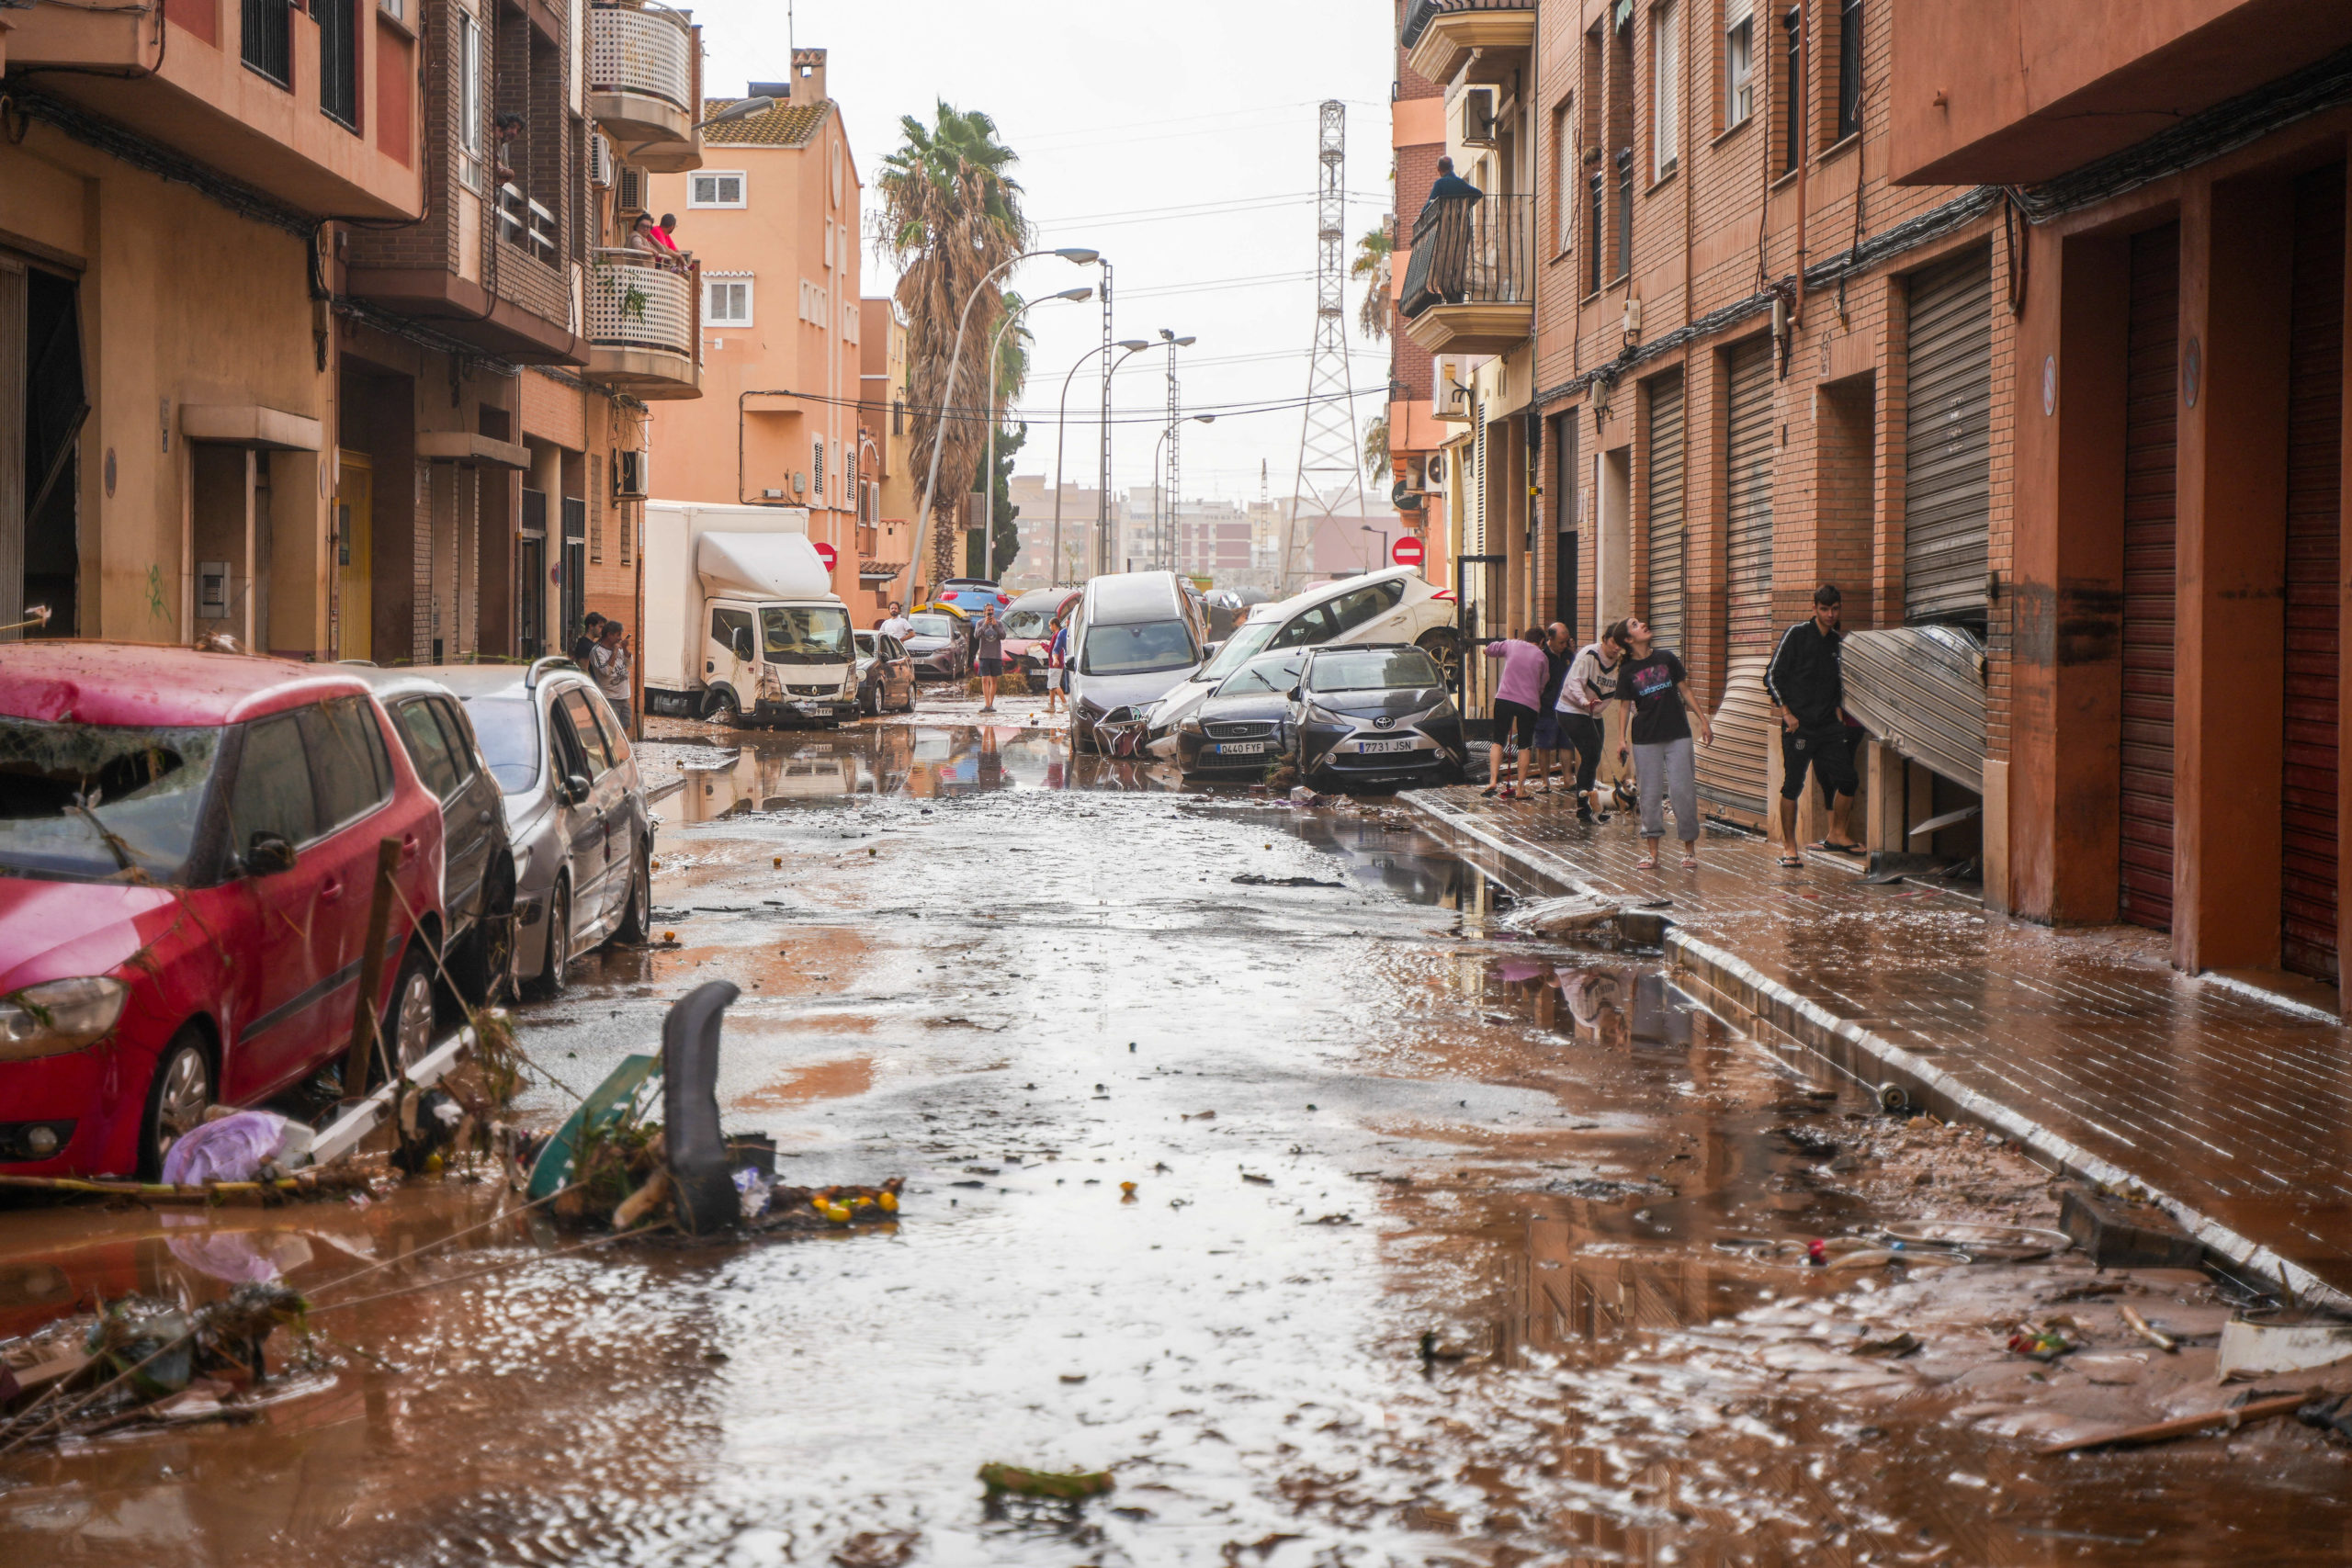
(1446, 219)
(1451, 186)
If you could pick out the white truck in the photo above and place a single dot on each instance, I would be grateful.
(742, 622)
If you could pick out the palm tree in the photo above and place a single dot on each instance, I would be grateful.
(1375, 445)
(1372, 260)
(950, 216)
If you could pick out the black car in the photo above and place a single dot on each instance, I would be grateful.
(1241, 727)
(1366, 715)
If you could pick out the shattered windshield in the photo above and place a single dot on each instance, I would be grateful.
(932, 625)
(1038, 621)
(1275, 672)
(1373, 670)
(805, 633)
(1238, 650)
(508, 728)
(1137, 648)
(100, 800)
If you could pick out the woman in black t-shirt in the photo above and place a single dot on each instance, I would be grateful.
(1650, 681)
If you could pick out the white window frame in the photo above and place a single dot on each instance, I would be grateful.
(709, 279)
(1739, 62)
(816, 466)
(469, 99)
(742, 188)
(1665, 89)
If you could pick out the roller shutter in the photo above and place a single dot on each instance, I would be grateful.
(1747, 495)
(1947, 451)
(1667, 554)
(2307, 924)
(2151, 413)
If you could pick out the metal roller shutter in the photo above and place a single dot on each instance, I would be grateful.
(2307, 924)
(1747, 495)
(1947, 461)
(1666, 538)
(2151, 414)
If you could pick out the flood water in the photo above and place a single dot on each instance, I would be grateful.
(1434, 1252)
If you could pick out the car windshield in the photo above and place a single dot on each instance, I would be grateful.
(866, 645)
(1238, 650)
(89, 800)
(805, 633)
(1275, 672)
(508, 728)
(1373, 669)
(1139, 647)
(933, 625)
(1028, 623)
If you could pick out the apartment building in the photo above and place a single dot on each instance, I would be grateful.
(886, 495)
(1419, 428)
(773, 219)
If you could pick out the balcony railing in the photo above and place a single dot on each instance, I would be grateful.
(266, 42)
(634, 303)
(526, 224)
(1471, 250)
(1418, 16)
(649, 52)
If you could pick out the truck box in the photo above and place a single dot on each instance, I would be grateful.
(671, 644)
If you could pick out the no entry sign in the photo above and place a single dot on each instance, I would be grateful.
(827, 554)
(1406, 551)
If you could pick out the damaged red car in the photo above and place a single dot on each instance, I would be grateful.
(187, 850)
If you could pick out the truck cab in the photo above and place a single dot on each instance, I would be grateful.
(766, 661)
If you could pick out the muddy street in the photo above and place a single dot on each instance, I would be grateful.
(1258, 1157)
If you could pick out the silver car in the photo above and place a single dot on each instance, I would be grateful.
(575, 811)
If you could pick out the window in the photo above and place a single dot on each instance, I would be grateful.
(428, 747)
(727, 299)
(1850, 68)
(266, 41)
(273, 789)
(1666, 90)
(585, 732)
(461, 750)
(470, 98)
(338, 60)
(616, 741)
(1596, 224)
(725, 624)
(1625, 212)
(350, 772)
(817, 468)
(1739, 62)
(717, 187)
(1563, 188)
(1791, 86)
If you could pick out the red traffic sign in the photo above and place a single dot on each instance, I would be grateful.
(827, 554)
(1407, 550)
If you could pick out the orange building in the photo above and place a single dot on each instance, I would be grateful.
(773, 221)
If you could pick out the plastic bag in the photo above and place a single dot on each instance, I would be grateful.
(231, 1149)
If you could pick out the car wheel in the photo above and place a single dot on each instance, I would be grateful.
(869, 700)
(1445, 646)
(483, 966)
(176, 1100)
(724, 709)
(637, 919)
(557, 968)
(408, 1018)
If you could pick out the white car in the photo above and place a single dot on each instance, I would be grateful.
(1395, 605)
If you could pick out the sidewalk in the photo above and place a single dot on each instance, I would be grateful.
(2234, 1109)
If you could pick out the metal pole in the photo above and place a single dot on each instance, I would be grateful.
(1061, 429)
(1102, 495)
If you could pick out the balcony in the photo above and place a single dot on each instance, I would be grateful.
(645, 84)
(1440, 36)
(1470, 285)
(644, 331)
(527, 224)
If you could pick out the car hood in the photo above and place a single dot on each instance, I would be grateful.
(924, 643)
(1185, 697)
(1244, 706)
(1394, 703)
(57, 931)
(1108, 691)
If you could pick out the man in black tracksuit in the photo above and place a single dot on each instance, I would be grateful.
(1809, 692)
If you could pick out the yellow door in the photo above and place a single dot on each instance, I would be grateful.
(354, 537)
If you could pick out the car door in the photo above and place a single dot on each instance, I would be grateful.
(606, 815)
(580, 826)
(477, 794)
(280, 992)
(902, 673)
(628, 833)
(351, 780)
(442, 763)
(1362, 613)
(1316, 624)
(722, 665)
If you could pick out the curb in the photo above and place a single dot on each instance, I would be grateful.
(1788, 1024)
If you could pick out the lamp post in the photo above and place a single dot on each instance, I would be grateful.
(741, 109)
(1077, 254)
(1368, 528)
(988, 475)
(1166, 558)
(1134, 345)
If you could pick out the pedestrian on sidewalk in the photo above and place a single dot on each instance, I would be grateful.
(987, 655)
(1518, 696)
(1548, 744)
(1666, 764)
(1057, 667)
(897, 625)
(1807, 685)
(1583, 700)
(609, 663)
(583, 646)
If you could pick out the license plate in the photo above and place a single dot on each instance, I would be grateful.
(1244, 747)
(1383, 746)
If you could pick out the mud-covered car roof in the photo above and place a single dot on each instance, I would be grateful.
(84, 682)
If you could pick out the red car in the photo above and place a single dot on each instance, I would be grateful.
(188, 847)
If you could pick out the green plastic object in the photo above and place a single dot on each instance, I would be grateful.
(605, 1107)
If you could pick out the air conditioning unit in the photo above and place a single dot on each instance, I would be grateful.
(629, 189)
(600, 161)
(629, 480)
(1449, 387)
(1475, 117)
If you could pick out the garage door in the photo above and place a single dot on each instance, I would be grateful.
(2314, 492)
(1748, 495)
(2152, 402)
(1666, 597)
(1948, 455)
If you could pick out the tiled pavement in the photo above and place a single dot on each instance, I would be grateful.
(2235, 1111)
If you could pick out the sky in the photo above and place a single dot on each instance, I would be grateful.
(1179, 141)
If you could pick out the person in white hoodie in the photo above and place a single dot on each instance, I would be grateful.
(1585, 692)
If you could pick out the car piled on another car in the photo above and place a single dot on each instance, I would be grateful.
(1241, 729)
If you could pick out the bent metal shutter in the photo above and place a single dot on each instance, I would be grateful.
(1666, 597)
(1948, 460)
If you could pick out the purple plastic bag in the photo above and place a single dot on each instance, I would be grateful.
(231, 1149)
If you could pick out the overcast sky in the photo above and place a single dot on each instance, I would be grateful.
(1120, 112)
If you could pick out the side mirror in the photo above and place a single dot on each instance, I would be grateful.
(1295, 692)
(266, 854)
(742, 644)
(575, 789)
(1210, 650)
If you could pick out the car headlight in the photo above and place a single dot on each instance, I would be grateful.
(1188, 727)
(58, 1016)
(1089, 709)
(1317, 715)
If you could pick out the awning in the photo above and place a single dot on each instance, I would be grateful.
(464, 446)
(1920, 690)
(251, 424)
(879, 570)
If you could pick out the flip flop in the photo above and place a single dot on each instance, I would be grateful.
(1837, 849)
(1647, 862)
(1792, 861)
(1690, 862)
(1490, 790)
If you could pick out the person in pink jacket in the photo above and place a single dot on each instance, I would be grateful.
(1519, 694)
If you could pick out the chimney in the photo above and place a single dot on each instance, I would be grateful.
(807, 75)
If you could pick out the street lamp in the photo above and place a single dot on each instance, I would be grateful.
(987, 481)
(741, 109)
(1168, 554)
(1076, 255)
(1134, 345)
(1368, 528)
